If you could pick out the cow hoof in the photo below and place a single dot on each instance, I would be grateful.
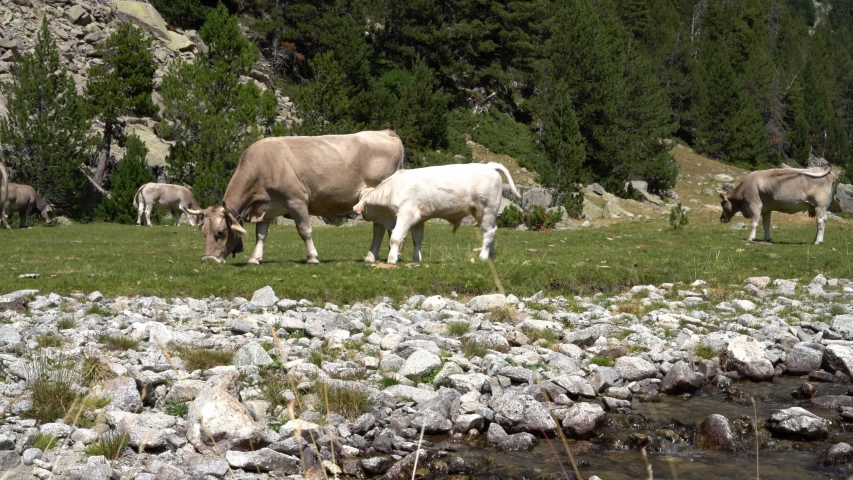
(369, 259)
(254, 261)
(313, 261)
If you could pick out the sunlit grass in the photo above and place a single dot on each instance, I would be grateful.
(166, 261)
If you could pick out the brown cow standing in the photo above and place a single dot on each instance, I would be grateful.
(165, 196)
(25, 200)
(4, 190)
(787, 190)
(300, 176)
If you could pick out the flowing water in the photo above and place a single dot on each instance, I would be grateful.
(672, 455)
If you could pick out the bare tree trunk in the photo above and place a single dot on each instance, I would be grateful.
(104, 153)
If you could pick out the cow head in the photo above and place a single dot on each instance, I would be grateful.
(222, 233)
(46, 212)
(729, 209)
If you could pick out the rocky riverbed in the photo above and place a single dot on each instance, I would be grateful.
(686, 380)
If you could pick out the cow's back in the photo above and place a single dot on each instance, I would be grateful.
(326, 171)
(21, 195)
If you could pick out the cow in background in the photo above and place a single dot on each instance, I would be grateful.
(4, 191)
(25, 200)
(787, 190)
(299, 176)
(409, 198)
(164, 196)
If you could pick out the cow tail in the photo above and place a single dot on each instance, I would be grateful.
(503, 170)
(138, 192)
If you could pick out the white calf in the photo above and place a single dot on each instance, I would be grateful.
(407, 199)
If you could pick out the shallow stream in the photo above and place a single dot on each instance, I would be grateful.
(669, 423)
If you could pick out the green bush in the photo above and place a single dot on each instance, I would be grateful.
(677, 217)
(511, 217)
(538, 218)
(125, 180)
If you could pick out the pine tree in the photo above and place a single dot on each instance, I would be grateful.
(210, 115)
(44, 136)
(131, 173)
(122, 85)
(560, 138)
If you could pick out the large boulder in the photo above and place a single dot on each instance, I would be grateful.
(747, 356)
(715, 433)
(843, 200)
(581, 419)
(145, 16)
(521, 413)
(681, 379)
(536, 196)
(802, 359)
(798, 423)
(635, 368)
(217, 421)
(158, 149)
(839, 359)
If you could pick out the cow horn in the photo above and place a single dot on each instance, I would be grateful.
(723, 195)
(238, 229)
(195, 212)
(227, 209)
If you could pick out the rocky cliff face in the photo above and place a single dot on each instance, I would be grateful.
(78, 26)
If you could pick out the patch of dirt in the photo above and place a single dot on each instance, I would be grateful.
(520, 175)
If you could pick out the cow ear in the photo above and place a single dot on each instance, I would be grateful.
(723, 196)
(236, 228)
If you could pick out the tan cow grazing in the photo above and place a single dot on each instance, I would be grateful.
(409, 198)
(787, 190)
(25, 200)
(299, 176)
(165, 196)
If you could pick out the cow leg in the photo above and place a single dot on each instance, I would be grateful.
(398, 236)
(820, 213)
(141, 212)
(25, 216)
(177, 218)
(148, 209)
(754, 228)
(765, 218)
(261, 230)
(489, 227)
(418, 240)
(300, 215)
(376, 244)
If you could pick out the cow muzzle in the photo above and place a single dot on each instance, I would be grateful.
(215, 259)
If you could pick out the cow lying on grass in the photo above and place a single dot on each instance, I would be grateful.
(407, 199)
(164, 196)
(787, 190)
(25, 200)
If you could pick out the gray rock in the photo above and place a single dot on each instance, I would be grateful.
(844, 197)
(217, 414)
(432, 422)
(715, 433)
(635, 368)
(581, 420)
(147, 430)
(264, 297)
(265, 460)
(680, 379)
(123, 394)
(799, 423)
(420, 363)
(536, 196)
(376, 465)
(521, 413)
(486, 303)
(722, 178)
(802, 359)
(747, 356)
(839, 358)
(510, 443)
(252, 354)
(843, 325)
(837, 454)
(575, 386)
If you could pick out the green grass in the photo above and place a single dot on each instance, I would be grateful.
(51, 388)
(110, 445)
(44, 441)
(705, 352)
(97, 309)
(602, 361)
(350, 402)
(546, 334)
(177, 409)
(473, 348)
(200, 358)
(66, 323)
(122, 342)
(50, 340)
(458, 328)
(166, 261)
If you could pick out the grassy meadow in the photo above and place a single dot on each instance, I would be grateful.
(166, 260)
